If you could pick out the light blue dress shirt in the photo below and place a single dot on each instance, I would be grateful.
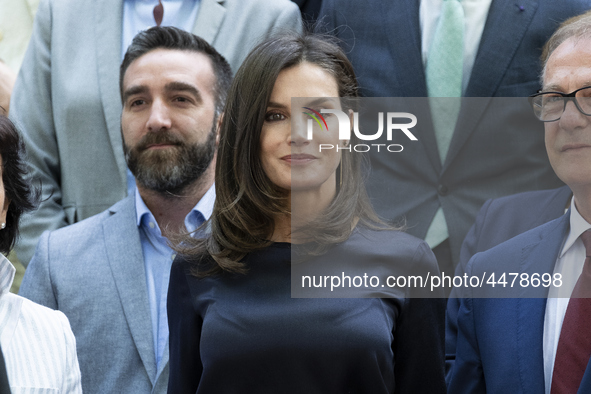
(138, 15)
(158, 257)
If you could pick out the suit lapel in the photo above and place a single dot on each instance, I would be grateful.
(127, 265)
(539, 257)
(163, 368)
(402, 26)
(505, 28)
(109, 14)
(209, 19)
(503, 32)
(408, 70)
(554, 207)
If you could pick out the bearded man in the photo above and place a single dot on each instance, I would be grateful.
(109, 273)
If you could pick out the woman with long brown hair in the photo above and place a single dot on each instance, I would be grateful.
(233, 324)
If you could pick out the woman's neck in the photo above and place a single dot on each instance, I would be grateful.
(305, 206)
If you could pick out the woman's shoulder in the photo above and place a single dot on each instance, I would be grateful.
(387, 240)
(30, 312)
(390, 246)
(28, 317)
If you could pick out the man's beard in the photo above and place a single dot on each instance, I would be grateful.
(169, 170)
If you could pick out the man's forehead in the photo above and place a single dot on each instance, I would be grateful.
(171, 64)
(570, 63)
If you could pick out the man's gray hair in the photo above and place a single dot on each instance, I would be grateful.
(578, 27)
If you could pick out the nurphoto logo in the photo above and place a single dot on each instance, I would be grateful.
(344, 124)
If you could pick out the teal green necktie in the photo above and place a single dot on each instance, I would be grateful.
(444, 72)
(444, 79)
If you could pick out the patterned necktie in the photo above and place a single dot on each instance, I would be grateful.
(574, 344)
(158, 13)
(444, 79)
(444, 72)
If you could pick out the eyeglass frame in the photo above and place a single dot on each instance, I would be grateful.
(566, 97)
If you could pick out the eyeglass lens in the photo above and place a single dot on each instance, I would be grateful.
(550, 106)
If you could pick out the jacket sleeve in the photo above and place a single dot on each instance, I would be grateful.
(32, 111)
(37, 283)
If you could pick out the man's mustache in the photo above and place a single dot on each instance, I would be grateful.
(161, 138)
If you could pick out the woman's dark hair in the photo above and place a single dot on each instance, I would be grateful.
(17, 187)
(246, 200)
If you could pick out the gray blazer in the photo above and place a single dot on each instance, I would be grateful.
(93, 271)
(66, 99)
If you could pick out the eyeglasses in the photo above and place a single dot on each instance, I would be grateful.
(549, 106)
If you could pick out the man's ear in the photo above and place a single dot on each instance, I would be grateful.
(218, 127)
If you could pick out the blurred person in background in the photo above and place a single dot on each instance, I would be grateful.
(16, 26)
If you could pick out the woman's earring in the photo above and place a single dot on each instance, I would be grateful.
(2, 226)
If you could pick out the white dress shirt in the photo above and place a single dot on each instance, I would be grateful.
(570, 265)
(38, 344)
(475, 14)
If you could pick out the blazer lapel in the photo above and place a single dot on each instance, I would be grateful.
(406, 62)
(127, 265)
(539, 257)
(209, 19)
(401, 25)
(162, 372)
(505, 27)
(109, 14)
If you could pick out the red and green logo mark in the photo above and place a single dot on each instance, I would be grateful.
(315, 115)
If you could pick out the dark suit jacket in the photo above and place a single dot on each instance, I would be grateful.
(499, 220)
(500, 340)
(496, 149)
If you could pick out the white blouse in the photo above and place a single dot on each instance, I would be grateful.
(37, 342)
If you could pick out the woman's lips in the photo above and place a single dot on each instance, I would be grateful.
(298, 158)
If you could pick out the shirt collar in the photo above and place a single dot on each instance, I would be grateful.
(203, 208)
(156, 1)
(7, 271)
(578, 225)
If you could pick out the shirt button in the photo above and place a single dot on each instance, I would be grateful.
(442, 190)
(151, 224)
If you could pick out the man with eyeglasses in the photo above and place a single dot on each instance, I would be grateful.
(539, 340)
